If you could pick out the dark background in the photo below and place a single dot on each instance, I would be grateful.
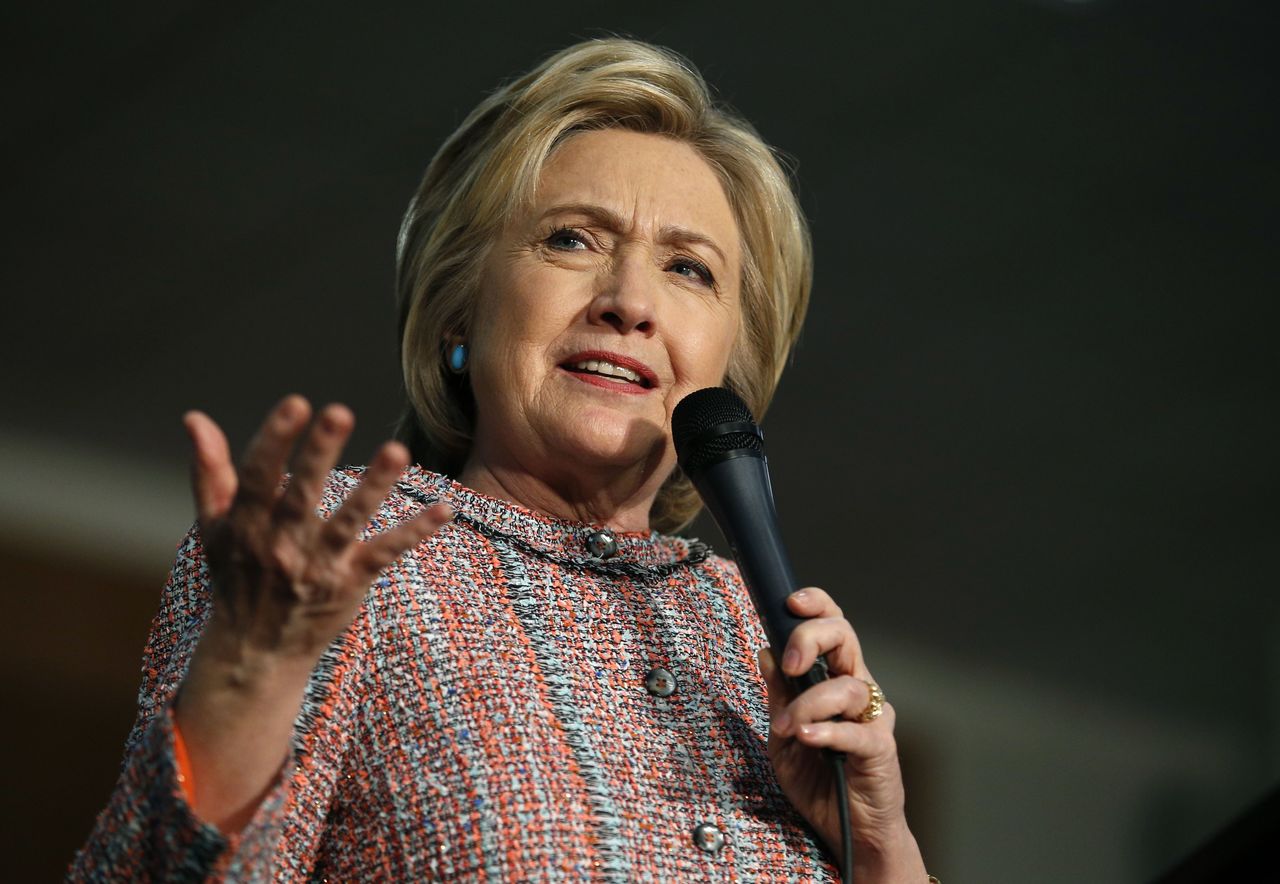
(1028, 436)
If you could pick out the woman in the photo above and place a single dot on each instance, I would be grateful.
(536, 685)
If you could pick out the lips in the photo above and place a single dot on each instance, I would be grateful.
(602, 368)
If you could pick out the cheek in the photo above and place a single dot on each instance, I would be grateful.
(514, 338)
(506, 318)
(709, 347)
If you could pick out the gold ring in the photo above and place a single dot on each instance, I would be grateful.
(875, 703)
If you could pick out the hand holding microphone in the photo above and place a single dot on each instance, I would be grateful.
(832, 703)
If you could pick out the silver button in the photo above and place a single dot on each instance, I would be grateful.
(602, 544)
(708, 837)
(660, 682)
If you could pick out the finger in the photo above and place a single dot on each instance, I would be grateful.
(859, 740)
(317, 455)
(845, 697)
(378, 552)
(213, 477)
(811, 601)
(831, 636)
(264, 459)
(383, 471)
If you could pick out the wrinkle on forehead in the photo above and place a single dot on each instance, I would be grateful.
(663, 187)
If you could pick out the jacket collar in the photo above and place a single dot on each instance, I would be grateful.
(645, 554)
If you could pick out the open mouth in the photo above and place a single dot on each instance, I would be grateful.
(608, 372)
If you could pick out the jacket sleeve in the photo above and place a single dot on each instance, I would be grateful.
(148, 832)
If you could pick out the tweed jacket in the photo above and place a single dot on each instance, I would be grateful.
(516, 699)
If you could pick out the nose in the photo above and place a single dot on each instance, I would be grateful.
(626, 299)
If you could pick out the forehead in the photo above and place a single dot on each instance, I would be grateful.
(651, 180)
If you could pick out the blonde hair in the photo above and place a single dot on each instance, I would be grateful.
(489, 168)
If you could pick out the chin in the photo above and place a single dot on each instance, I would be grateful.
(619, 443)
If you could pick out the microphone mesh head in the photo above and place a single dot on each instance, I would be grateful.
(694, 423)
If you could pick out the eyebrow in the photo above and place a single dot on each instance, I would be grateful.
(668, 234)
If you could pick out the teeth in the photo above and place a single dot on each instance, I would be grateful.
(600, 366)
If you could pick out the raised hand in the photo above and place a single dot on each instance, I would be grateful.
(285, 583)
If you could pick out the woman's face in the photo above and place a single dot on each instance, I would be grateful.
(601, 307)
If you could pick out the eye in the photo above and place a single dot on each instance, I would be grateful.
(694, 270)
(567, 239)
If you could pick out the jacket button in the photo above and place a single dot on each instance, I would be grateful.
(602, 544)
(660, 683)
(708, 837)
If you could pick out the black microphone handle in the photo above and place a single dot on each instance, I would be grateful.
(739, 496)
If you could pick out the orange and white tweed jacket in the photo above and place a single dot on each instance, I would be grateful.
(508, 705)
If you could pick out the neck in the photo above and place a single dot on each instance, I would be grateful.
(620, 500)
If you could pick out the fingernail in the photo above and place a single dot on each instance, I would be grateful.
(800, 595)
(763, 660)
(791, 660)
(782, 724)
(808, 730)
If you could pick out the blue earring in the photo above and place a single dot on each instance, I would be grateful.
(458, 358)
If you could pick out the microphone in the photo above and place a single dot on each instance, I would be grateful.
(721, 450)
